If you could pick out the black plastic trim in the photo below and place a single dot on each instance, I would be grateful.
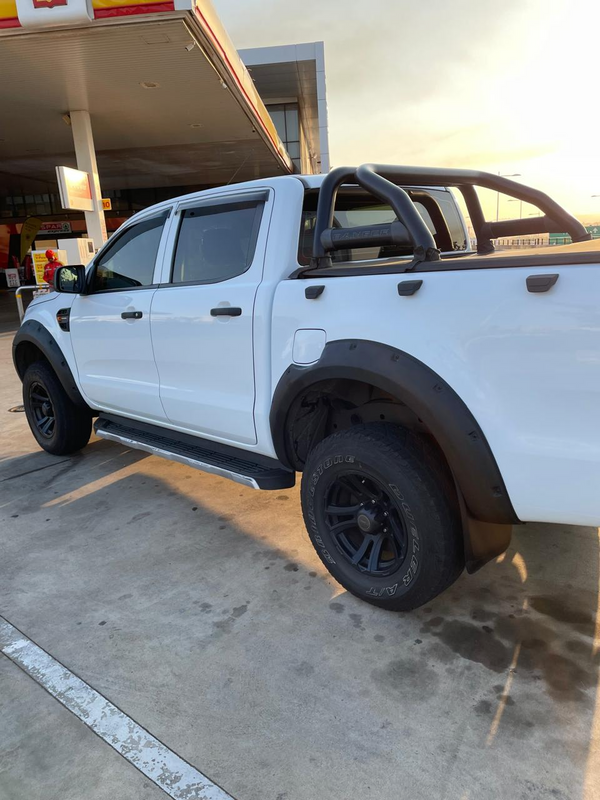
(226, 311)
(408, 288)
(451, 263)
(35, 333)
(540, 283)
(386, 233)
(63, 318)
(312, 292)
(267, 472)
(383, 180)
(409, 380)
(124, 289)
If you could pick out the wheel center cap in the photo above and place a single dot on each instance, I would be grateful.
(366, 521)
(46, 408)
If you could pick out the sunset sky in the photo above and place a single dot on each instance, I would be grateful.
(508, 86)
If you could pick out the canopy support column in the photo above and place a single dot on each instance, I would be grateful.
(85, 153)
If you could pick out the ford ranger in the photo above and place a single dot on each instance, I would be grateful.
(431, 393)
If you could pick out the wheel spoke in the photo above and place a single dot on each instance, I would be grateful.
(341, 511)
(360, 553)
(375, 553)
(398, 536)
(39, 397)
(352, 483)
(358, 487)
(46, 426)
(342, 526)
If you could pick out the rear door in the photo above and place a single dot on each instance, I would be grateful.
(202, 317)
(110, 326)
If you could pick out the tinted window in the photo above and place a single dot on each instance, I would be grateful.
(354, 209)
(130, 261)
(216, 243)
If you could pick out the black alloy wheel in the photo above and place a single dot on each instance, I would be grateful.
(59, 425)
(383, 515)
(366, 523)
(42, 409)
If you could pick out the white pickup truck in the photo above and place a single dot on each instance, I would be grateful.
(342, 326)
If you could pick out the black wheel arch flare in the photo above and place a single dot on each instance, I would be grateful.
(34, 333)
(456, 430)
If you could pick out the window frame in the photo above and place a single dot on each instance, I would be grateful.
(258, 196)
(166, 214)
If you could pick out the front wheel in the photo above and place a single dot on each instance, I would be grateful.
(381, 516)
(59, 426)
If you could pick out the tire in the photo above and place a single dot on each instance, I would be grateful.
(403, 545)
(59, 426)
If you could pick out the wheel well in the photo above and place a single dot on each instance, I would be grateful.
(333, 405)
(26, 354)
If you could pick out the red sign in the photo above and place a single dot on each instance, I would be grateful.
(56, 227)
(49, 3)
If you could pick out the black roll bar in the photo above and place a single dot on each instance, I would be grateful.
(383, 181)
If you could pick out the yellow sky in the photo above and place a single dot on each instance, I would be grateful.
(503, 85)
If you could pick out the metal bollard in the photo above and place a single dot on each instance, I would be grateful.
(19, 299)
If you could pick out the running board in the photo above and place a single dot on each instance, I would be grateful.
(259, 472)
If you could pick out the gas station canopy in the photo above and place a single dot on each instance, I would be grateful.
(169, 99)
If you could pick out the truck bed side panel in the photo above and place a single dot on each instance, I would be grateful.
(526, 364)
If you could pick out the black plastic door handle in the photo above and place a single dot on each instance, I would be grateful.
(132, 315)
(541, 283)
(408, 288)
(226, 311)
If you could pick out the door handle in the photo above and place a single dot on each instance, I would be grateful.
(132, 315)
(540, 283)
(226, 311)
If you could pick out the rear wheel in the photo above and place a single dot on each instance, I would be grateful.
(59, 426)
(382, 516)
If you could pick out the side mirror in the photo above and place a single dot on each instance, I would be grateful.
(70, 279)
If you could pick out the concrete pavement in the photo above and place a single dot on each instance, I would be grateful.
(200, 609)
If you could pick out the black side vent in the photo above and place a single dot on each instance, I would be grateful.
(62, 317)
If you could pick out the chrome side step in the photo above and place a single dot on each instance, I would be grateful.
(197, 453)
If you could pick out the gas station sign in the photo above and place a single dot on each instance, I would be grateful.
(56, 227)
(74, 188)
(45, 13)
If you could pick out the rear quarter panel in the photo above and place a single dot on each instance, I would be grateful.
(527, 365)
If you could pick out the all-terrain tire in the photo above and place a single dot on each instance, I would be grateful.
(70, 425)
(383, 467)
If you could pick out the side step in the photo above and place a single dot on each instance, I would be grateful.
(250, 469)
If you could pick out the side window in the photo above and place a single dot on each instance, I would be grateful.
(216, 243)
(130, 261)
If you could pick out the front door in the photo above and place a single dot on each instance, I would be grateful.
(111, 324)
(202, 319)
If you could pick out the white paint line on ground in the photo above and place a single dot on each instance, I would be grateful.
(152, 758)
